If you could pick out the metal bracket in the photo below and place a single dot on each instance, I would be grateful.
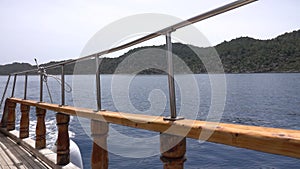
(98, 110)
(169, 118)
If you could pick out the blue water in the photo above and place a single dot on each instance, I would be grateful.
(271, 100)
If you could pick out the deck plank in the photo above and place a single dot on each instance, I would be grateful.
(2, 160)
(7, 162)
(14, 156)
(28, 160)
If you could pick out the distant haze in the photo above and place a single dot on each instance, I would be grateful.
(58, 30)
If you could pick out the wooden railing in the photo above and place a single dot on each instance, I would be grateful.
(8, 124)
(271, 140)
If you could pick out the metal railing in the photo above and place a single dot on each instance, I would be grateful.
(166, 31)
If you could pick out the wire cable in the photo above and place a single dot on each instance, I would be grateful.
(42, 71)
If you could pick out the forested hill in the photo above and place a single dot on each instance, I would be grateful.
(281, 54)
(241, 55)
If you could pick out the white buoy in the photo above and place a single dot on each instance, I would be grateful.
(75, 155)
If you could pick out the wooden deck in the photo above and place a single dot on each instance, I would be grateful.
(13, 156)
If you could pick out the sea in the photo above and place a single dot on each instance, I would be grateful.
(258, 99)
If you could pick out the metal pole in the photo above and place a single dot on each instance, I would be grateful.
(98, 92)
(14, 86)
(62, 84)
(171, 80)
(25, 86)
(4, 92)
(41, 88)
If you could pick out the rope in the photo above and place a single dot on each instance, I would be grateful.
(49, 93)
(69, 88)
(42, 71)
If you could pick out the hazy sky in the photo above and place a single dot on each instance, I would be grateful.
(59, 29)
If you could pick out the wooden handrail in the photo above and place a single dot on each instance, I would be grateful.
(271, 140)
(62, 144)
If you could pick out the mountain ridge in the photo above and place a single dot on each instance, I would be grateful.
(239, 55)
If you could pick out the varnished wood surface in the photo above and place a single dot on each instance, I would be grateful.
(270, 140)
(24, 122)
(173, 149)
(11, 117)
(63, 140)
(99, 130)
(36, 149)
(14, 156)
(40, 131)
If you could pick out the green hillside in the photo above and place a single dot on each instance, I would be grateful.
(241, 55)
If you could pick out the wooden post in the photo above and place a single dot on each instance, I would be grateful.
(11, 118)
(40, 131)
(5, 114)
(99, 131)
(173, 150)
(24, 123)
(63, 140)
